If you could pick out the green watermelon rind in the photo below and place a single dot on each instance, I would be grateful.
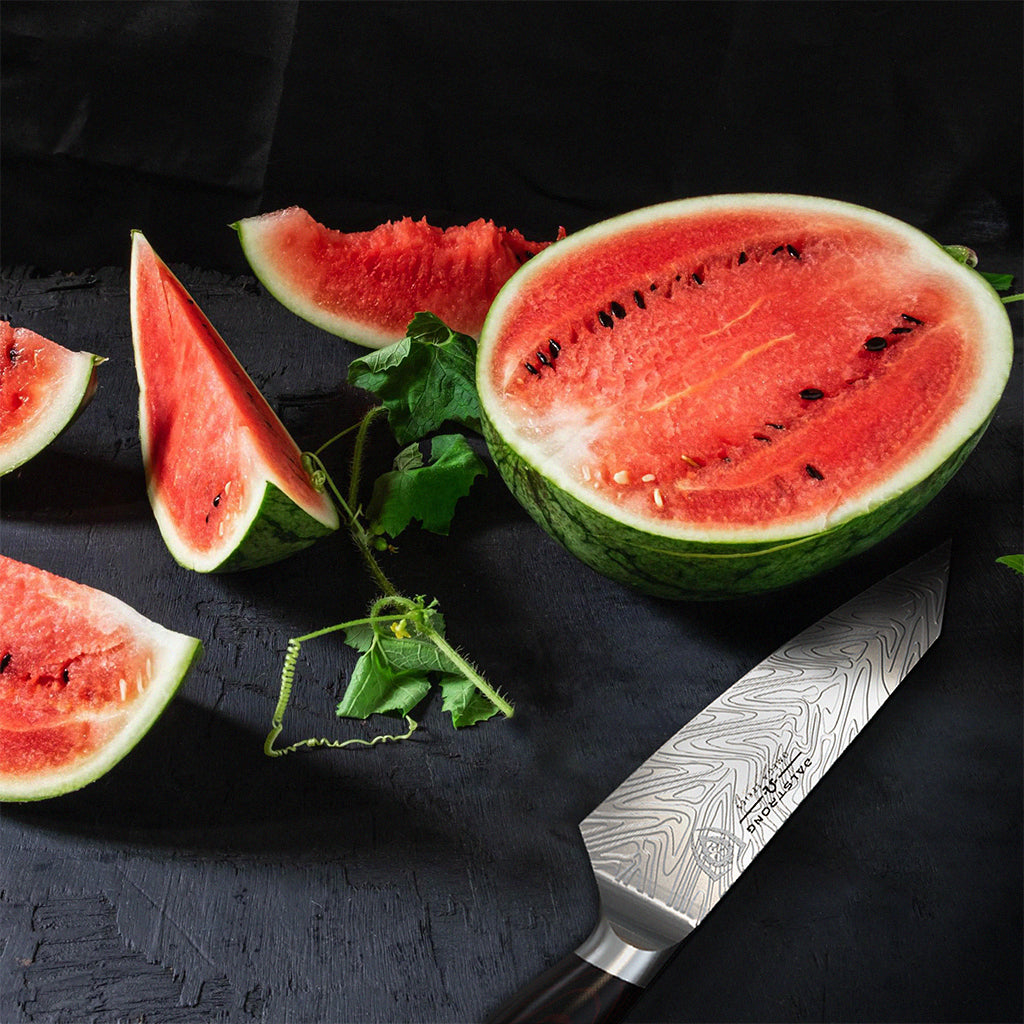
(276, 529)
(669, 567)
(715, 566)
(177, 653)
(62, 410)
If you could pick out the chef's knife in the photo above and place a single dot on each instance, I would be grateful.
(668, 843)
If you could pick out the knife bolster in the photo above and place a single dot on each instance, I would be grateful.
(614, 954)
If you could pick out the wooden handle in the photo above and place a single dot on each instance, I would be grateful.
(572, 992)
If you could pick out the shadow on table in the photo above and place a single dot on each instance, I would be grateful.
(62, 487)
(200, 782)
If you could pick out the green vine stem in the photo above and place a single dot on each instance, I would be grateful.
(391, 607)
(358, 453)
(288, 677)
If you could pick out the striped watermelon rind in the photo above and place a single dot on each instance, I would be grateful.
(712, 564)
(696, 570)
(275, 528)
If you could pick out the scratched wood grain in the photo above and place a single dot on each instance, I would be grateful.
(201, 881)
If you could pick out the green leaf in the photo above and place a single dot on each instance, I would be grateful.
(379, 686)
(411, 654)
(396, 672)
(1001, 282)
(427, 491)
(465, 702)
(1015, 562)
(423, 381)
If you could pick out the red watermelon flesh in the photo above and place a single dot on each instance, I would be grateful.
(367, 285)
(82, 677)
(43, 387)
(742, 386)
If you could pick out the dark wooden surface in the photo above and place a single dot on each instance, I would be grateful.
(423, 882)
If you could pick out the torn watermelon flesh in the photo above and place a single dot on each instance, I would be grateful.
(382, 278)
(685, 390)
(76, 666)
(210, 434)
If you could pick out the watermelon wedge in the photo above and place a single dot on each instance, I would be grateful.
(723, 395)
(43, 387)
(225, 479)
(82, 678)
(367, 285)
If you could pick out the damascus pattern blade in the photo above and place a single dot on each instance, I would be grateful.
(671, 839)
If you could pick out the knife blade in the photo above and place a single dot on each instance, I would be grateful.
(668, 842)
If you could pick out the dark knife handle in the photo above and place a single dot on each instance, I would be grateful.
(574, 991)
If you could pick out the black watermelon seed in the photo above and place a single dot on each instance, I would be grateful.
(554, 348)
(5, 661)
(679, 277)
(618, 309)
(912, 319)
(216, 500)
(697, 278)
(776, 426)
(777, 250)
(654, 286)
(533, 369)
(876, 344)
(13, 354)
(543, 359)
(639, 299)
(792, 252)
(742, 258)
(64, 675)
(812, 472)
(900, 330)
(604, 319)
(812, 394)
(762, 437)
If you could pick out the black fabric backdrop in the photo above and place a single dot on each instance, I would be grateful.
(183, 117)
(200, 881)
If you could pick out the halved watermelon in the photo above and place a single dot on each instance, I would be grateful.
(82, 678)
(225, 479)
(43, 387)
(720, 396)
(367, 285)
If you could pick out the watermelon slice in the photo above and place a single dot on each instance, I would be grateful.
(723, 395)
(225, 479)
(367, 285)
(43, 387)
(82, 678)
